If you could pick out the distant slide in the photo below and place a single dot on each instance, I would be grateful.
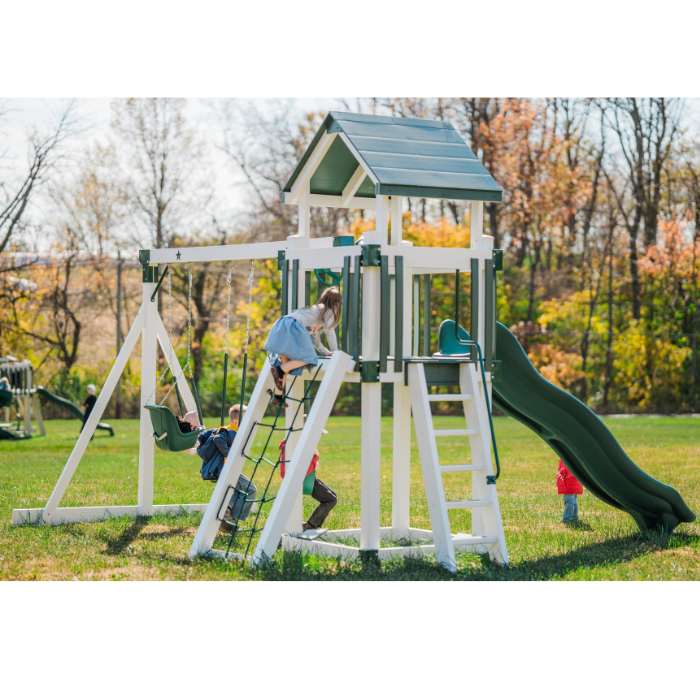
(69, 405)
(577, 435)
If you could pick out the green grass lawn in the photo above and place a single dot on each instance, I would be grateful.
(606, 546)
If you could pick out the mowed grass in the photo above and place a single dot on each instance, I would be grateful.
(606, 546)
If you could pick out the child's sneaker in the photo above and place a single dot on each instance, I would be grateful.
(278, 376)
(278, 400)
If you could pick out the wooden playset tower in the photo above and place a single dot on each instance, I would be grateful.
(373, 163)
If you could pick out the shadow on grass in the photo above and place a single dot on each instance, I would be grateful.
(293, 566)
(134, 531)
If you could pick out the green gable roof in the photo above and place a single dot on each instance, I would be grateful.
(408, 157)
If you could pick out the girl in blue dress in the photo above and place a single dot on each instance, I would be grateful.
(295, 339)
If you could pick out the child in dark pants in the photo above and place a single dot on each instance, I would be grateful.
(325, 496)
(569, 487)
(89, 404)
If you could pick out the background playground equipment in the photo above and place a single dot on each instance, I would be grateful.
(25, 396)
(366, 162)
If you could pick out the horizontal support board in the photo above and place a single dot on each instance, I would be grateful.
(336, 201)
(26, 516)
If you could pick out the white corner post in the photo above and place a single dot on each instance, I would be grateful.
(381, 223)
(304, 229)
(371, 392)
(149, 347)
(396, 207)
(477, 224)
(295, 419)
(401, 493)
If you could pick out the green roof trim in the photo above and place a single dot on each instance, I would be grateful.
(404, 157)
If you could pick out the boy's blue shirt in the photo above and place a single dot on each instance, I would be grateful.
(214, 446)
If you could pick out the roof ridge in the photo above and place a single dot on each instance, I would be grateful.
(382, 119)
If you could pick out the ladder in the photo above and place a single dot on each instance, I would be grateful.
(487, 526)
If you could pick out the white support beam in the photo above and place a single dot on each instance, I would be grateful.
(309, 168)
(243, 251)
(353, 185)
(359, 158)
(396, 220)
(94, 419)
(175, 369)
(86, 514)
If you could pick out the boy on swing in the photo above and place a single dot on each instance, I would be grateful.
(213, 447)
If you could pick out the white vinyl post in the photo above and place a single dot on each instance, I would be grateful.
(149, 348)
(401, 496)
(84, 439)
(305, 212)
(371, 394)
(396, 220)
(477, 224)
(382, 221)
(37, 413)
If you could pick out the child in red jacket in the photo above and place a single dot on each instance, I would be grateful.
(569, 487)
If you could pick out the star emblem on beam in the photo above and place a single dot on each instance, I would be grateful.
(178, 255)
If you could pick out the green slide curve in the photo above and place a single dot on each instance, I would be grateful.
(69, 405)
(576, 434)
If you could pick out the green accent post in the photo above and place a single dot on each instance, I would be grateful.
(398, 314)
(385, 311)
(295, 285)
(426, 315)
(490, 317)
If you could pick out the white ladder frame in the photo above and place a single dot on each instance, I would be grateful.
(487, 524)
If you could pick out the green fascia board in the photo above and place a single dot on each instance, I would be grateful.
(439, 193)
(408, 157)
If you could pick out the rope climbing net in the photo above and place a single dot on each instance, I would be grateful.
(241, 495)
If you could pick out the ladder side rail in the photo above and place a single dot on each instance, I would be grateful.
(485, 521)
(233, 466)
(432, 478)
(84, 439)
(295, 470)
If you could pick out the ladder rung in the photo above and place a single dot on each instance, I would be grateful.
(467, 504)
(461, 467)
(468, 539)
(450, 397)
(456, 433)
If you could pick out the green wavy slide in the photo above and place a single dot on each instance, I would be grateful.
(576, 434)
(69, 405)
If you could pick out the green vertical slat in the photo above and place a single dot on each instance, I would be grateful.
(295, 285)
(398, 315)
(416, 315)
(384, 321)
(285, 288)
(474, 325)
(495, 311)
(490, 318)
(355, 321)
(346, 304)
(426, 315)
(307, 289)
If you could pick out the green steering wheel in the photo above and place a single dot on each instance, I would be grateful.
(335, 277)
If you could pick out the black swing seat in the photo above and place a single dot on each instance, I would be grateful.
(167, 432)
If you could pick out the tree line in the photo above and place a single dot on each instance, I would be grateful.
(599, 224)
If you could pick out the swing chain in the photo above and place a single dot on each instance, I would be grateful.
(228, 302)
(250, 301)
(170, 339)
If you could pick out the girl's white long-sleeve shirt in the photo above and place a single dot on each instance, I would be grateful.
(317, 320)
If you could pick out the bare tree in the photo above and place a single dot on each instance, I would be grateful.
(165, 182)
(45, 151)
